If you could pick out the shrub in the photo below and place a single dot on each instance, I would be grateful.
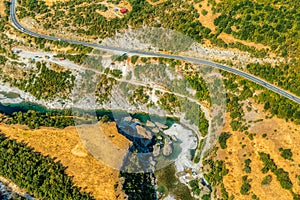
(223, 139)
(247, 167)
(282, 176)
(267, 180)
(286, 153)
(245, 185)
(134, 59)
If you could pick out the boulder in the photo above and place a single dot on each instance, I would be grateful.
(150, 124)
(174, 138)
(152, 162)
(127, 119)
(143, 132)
(149, 134)
(136, 121)
(156, 150)
(155, 130)
(160, 125)
(167, 149)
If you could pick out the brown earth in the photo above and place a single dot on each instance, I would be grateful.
(279, 134)
(65, 145)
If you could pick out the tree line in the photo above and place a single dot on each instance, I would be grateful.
(39, 175)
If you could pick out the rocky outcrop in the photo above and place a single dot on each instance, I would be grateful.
(174, 138)
(155, 130)
(150, 124)
(143, 132)
(160, 125)
(167, 149)
(136, 121)
(156, 150)
(128, 119)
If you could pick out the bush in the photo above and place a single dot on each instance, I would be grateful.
(286, 153)
(223, 139)
(217, 172)
(245, 185)
(119, 58)
(206, 197)
(134, 59)
(204, 12)
(195, 186)
(267, 180)
(3, 60)
(247, 167)
(282, 176)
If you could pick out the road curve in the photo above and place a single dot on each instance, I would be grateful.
(142, 53)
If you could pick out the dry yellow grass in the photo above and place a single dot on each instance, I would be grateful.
(111, 132)
(229, 38)
(66, 146)
(50, 2)
(155, 3)
(206, 20)
(2, 6)
(104, 143)
(285, 136)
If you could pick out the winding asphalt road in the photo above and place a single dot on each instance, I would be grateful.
(142, 53)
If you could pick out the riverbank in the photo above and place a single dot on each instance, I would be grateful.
(186, 138)
(10, 190)
(188, 143)
(20, 96)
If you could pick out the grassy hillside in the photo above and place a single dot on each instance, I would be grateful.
(66, 147)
